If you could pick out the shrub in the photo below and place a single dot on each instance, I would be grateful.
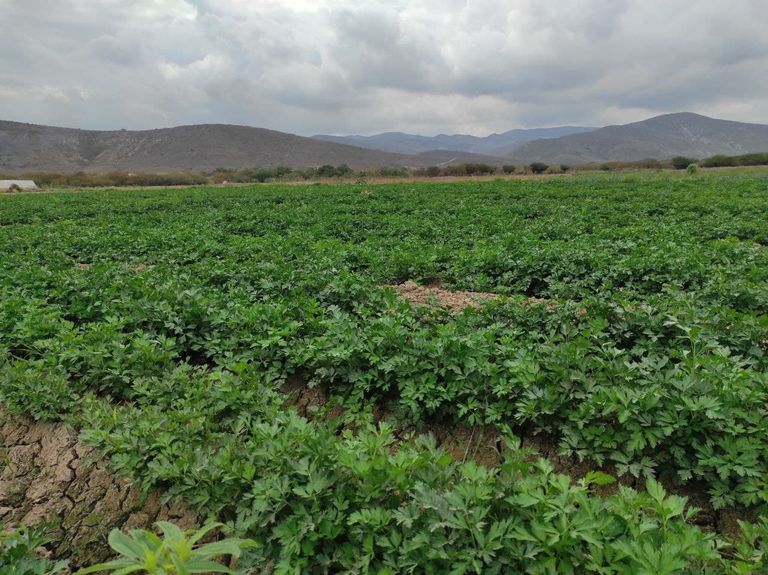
(392, 172)
(457, 170)
(432, 171)
(564, 167)
(263, 174)
(478, 169)
(538, 167)
(720, 160)
(325, 171)
(682, 162)
(692, 169)
(508, 169)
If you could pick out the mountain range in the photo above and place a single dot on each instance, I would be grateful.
(661, 137)
(30, 148)
(500, 145)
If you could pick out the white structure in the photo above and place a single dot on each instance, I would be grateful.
(6, 185)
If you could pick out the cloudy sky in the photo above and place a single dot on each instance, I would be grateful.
(365, 66)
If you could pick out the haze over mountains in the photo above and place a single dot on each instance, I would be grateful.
(29, 148)
(500, 145)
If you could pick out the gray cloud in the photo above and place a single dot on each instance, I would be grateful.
(340, 66)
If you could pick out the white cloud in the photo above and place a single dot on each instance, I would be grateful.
(364, 66)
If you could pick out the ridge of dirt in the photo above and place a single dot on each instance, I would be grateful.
(48, 475)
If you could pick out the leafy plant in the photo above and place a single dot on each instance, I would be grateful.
(175, 553)
(19, 553)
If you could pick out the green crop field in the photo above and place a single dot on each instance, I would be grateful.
(631, 334)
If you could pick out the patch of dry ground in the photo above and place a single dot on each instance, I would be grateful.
(435, 296)
(48, 475)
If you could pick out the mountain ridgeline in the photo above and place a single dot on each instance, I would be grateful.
(35, 148)
(662, 137)
(499, 145)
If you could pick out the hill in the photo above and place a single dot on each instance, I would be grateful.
(29, 147)
(494, 145)
(661, 137)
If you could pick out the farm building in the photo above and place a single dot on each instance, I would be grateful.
(6, 185)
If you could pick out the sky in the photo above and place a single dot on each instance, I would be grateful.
(368, 66)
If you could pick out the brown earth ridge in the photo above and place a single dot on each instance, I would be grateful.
(47, 475)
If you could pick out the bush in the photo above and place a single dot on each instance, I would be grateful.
(432, 171)
(564, 167)
(479, 169)
(392, 172)
(343, 170)
(508, 169)
(263, 174)
(692, 169)
(328, 171)
(325, 171)
(720, 160)
(682, 162)
(538, 167)
(457, 170)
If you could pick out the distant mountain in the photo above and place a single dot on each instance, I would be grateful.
(29, 148)
(661, 137)
(494, 145)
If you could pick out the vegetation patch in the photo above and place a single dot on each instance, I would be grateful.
(630, 338)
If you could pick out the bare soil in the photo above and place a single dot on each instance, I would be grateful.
(48, 475)
(435, 296)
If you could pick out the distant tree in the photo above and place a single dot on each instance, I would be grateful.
(606, 167)
(326, 171)
(508, 169)
(263, 174)
(682, 162)
(343, 170)
(564, 167)
(392, 171)
(457, 170)
(432, 171)
(538, 167)
(281, 171)
(478, 169)
(754, 159)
